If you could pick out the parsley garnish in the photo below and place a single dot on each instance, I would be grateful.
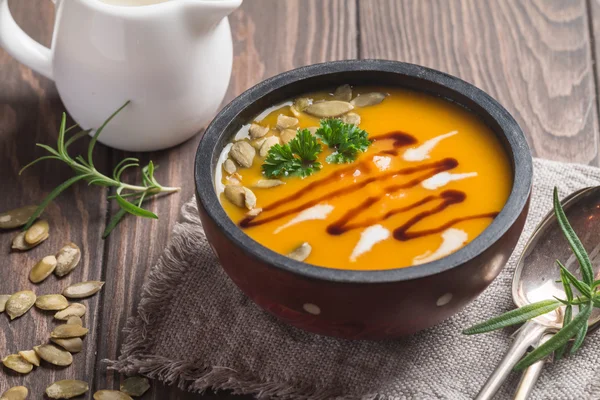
(297, 158)
(347, 140)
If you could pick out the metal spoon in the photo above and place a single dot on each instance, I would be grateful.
(536, 275)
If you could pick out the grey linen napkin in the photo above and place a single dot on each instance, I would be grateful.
(194, 328)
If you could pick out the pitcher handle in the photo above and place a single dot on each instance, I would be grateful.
(21, 46)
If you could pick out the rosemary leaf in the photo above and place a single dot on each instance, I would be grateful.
(133, 209)
(583, 288)
(99, 131)
(580, 336)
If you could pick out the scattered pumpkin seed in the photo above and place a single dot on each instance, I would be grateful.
(240, 196)
(72, 345)
(67, 389)
(15, 218)
(68, 331)
(257, 144)
(301, 103)
(3, 299)
(268, 183)
(42, 269)
(74, 320)
(111, 395)
(351, 118)
(243, 153)
(82, 289)
(31, 357)
(267, 144)
(17, 364)
(19, 303)
(329, 109)
(343, 93)
(52, 302)
(368, 99)
(37, 232)
(67, 259)
(285, 122)
(135, 386)
(75, 309)
(254, 212)
(54, 355)
(287, 135)
(15, 393)
(229, 166)
(19, 242)
(257, 131)
(301, 253)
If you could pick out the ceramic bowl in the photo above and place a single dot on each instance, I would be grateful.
(362, 304)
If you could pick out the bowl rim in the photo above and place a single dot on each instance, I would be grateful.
(517, 200)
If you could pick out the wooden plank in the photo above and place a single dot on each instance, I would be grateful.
(30, 112)
(532, 56)
(594, 26)
(270, 36)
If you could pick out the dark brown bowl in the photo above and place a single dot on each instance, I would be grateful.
(362, 304)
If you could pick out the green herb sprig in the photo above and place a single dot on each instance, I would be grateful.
(128, 197)
(296, 158)
(573, 327)
(347, 140)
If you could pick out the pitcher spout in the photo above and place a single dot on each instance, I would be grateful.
(206, 14)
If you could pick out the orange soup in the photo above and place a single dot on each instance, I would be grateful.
(303, 180)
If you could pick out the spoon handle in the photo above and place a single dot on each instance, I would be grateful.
(530, 376)
(529, 334)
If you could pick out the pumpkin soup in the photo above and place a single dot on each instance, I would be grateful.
(364, 178)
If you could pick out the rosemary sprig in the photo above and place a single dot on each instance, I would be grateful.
(128, 197)
(573, 327)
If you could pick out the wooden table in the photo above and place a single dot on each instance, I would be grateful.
(536, 57)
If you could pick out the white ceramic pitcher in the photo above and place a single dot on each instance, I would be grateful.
(172, 60)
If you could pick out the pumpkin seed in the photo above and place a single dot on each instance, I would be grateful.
(258, 143)
(17, 363)
(15, 393)
(267, 144)
(19, 242)
(268, 183)
(67, 389)
(72, 345)
(229, 166)
(329, 109)
(3, 299)
(301, 103)
(19, 303)
(257, 131)
(52, 302)
(301, 253)
(313, 130)
(15, 218)
(67, 259)
(243, 153)
(287, 135)
(240, 196)
(368, 99)
(343, 93)
(42, 269)
(37, 232)
(351, 118)
(54, 355)
(75, 309)
(68, 331)
(111, 395)
(135, 386)
(74, 320)
(254, 212)
(82, 289)
(285, 122)
(31, 357)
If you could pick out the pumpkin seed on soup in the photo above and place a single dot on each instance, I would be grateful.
(268, 183)
(267, 144)
(54, 355)
(368, 99)
(82, 289)
(74, 320)
(240, 196)
(19, 303)
(343, 93)
(31, 357)
(257, 131)
(72, 345)
(301, 103)
(15, 393)
(16, 218)
(75, 309)
(67, 259)
(285, 122)
(243, 153)
(111, 395)
(68, 331)
(287, 135)
(301, 253)
(67, 389)
(351, 118)
(229, 166)
(42, 269)
(17, 364)
(52, 302)
(329, 109)
(135, 386)
(37, 232)
(3, 299)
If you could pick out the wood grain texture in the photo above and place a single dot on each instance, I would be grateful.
(270, 36)
(30, 112)
(532, 56)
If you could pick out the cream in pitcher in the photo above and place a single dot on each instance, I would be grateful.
(172, 59)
